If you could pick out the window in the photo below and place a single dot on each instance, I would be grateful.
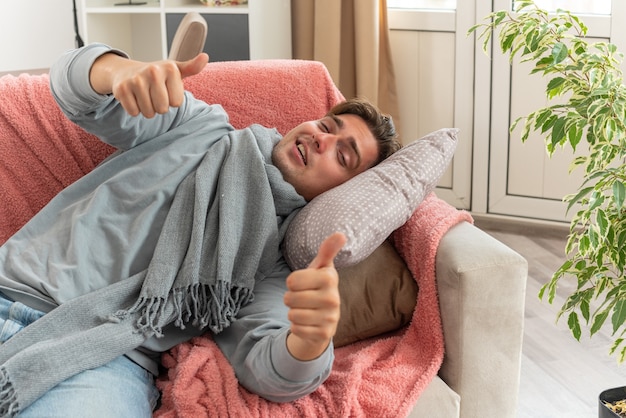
(422, 4)
(597, 7)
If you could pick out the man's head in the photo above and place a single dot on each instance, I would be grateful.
(318, 155)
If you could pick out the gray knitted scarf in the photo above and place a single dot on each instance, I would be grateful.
(220, 236)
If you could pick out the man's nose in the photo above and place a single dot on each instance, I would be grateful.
(323, 141)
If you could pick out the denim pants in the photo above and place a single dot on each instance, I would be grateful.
(118, 389)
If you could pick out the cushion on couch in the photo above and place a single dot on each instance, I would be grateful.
(378, 295)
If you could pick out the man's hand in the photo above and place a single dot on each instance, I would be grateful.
(144, 88)
(313, 301)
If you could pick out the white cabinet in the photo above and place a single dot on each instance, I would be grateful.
(259, 30)
(433, 60)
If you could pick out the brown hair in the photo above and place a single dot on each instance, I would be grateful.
(379, 124)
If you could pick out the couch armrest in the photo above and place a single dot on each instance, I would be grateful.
(482, 285)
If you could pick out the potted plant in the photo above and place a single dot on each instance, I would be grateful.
(613, 403)
(587, 79)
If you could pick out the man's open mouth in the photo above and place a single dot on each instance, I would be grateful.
(301, 150)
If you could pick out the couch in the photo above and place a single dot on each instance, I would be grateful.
(480, 282)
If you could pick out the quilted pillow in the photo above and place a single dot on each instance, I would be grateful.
(370, 206)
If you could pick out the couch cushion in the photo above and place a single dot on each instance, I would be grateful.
(377, 295)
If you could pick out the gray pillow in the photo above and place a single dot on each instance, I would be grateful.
(370, 206)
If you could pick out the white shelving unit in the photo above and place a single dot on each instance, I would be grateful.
(141, 30)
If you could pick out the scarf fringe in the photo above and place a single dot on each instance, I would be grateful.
(206, 306)
(9, 406)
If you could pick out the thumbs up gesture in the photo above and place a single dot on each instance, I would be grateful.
(313, 300)
(146, 88)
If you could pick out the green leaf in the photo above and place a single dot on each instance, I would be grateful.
(593, 239)
(584, 309)
(559, 52)
(498, 17)
(610, 130)
(542, 65)
(619, 315)
(598, 320)
(615, 345)
(621, 239)
(507, 42)
(578, 197)
(574, 135)
(558, 132)
(600, 255)
(619, 193)
(602, 222)
(583, 244)
(554, 87)
(574, 325)
(542, 291)
(542, 117)
(601, 286)
(596, 200)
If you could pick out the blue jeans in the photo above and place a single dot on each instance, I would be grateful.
(118, 389)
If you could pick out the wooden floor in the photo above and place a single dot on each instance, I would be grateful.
(560, 376)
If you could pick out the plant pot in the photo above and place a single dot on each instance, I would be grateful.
(610, 395)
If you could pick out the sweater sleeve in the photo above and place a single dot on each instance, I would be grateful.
(103, 115)
(256, 346)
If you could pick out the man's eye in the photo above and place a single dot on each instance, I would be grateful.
(342, 159)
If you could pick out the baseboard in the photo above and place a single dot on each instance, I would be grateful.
(528, 227)
(35, 71)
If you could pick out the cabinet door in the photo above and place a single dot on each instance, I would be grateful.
(227, 35)
(434, 64)
(523, 180)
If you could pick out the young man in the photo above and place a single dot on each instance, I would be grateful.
(177, 235)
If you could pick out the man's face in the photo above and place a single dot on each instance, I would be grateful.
(318, 155)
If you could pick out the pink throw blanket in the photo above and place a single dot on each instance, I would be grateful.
(380, 377)
(41, 151)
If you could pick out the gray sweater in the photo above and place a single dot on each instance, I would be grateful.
(44, 273)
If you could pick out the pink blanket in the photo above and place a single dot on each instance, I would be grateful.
(381, 377)
(41, 151)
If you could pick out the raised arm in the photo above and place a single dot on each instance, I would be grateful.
(84, 83)
(313, 301)
(283, 351)
(140, 87)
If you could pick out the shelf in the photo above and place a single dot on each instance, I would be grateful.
(109, 6)
(123, 10)
(207, 9)
(203, 8)
(145, 31)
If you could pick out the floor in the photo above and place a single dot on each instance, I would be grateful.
(560, 376)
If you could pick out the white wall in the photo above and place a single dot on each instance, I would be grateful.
(33, 33)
